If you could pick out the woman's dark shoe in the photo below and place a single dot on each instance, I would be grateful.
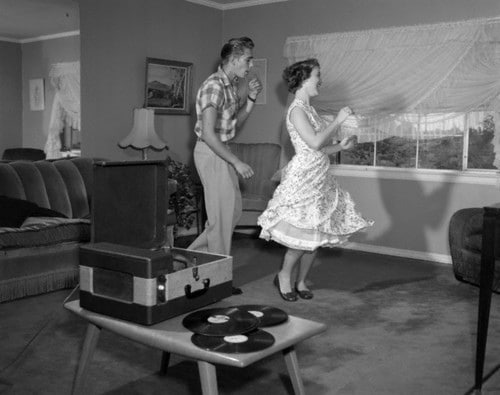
(304, 294)
(288, 296)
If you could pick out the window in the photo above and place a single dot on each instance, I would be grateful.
(427, 97)
(452, 142)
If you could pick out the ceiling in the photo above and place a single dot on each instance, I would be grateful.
(28, 20)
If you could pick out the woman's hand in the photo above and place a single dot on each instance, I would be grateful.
(347, 143)
(343, 114)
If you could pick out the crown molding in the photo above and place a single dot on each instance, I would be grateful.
(241, 4)
(49, 37)
(10, 40)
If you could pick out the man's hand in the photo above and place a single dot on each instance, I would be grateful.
(243, 169)
(254, 88)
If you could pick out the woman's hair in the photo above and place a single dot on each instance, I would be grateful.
(295, 74)
(235, 46)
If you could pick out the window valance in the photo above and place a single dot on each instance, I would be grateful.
(440, 71)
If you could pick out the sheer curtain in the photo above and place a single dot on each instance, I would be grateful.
(395, 76)
(65, 78)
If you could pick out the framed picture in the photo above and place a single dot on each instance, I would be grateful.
(37, 94)
(259, 71)
(168, 86)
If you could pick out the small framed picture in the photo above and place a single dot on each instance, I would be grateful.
(168, 86)
(37, 94)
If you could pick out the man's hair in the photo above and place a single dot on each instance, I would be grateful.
(295, 74)
(236, 47)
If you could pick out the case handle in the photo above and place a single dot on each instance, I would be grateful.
(195, 294)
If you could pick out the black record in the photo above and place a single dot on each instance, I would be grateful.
(220, 322)
(255, 340)
(267, 315)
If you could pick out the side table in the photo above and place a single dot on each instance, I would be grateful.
(171, 337)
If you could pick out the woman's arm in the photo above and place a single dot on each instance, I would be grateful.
(316, 140)
(345, 143)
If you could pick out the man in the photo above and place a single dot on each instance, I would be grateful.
(220, 111)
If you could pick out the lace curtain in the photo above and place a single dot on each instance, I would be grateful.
(394, 77)
(65, 78)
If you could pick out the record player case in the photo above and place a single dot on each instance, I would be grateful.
(127, 271)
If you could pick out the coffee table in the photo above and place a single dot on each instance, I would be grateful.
(170, 336)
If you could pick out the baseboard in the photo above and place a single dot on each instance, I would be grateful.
(411, 254)
(420, 255)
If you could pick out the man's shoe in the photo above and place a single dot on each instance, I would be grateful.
(236, 291)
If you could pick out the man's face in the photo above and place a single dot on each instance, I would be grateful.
(243, 63)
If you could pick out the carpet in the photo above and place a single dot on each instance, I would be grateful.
(395, 326)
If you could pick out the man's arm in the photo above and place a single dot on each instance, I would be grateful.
(209, 136)
(254, 88)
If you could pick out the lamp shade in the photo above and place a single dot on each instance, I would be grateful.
(143, 134)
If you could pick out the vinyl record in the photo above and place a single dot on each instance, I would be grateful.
(267, 315)
(220, 322)
(255, 340)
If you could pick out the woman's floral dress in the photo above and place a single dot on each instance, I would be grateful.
(308, 209)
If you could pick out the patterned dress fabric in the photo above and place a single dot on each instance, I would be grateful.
(308, 209)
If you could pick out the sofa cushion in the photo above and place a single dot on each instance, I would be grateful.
(43, 231)
(13, 212)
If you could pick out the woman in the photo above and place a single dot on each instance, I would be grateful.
(308, 209)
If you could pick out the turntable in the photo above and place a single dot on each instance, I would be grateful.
(128, 271)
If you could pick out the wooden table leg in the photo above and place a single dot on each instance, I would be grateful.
(89, 344)
(165, 360)
(292, 364)
(208, 378)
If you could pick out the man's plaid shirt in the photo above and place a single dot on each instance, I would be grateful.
(218, 92)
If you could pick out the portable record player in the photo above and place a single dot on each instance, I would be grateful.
(128, 271)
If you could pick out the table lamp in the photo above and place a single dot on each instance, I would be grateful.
(143, 135)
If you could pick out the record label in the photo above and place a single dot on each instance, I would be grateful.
(267, 315)
(253, 341)
(220, 322)
(218, 319)
(236, 339)
(257, 313)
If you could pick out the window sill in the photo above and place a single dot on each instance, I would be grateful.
(484, 177)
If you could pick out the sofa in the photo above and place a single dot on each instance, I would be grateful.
(40, 254)
(45, 216)
(264, 158)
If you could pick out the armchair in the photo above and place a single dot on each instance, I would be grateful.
(474, 237)
(264, 158)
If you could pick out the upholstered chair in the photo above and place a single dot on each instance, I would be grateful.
(474, 237)
(264, 158)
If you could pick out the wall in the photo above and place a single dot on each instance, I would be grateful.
(37, 58)
(116, 38)
(411, 215)
(10, 96)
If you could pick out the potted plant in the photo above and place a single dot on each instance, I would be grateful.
(184, 200)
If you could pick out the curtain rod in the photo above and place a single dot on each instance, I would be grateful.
(479, 21)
